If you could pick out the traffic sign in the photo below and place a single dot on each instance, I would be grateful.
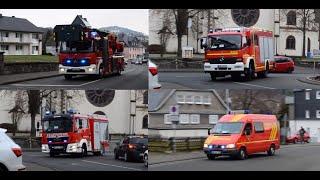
(174, 110)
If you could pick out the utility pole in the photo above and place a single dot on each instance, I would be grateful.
(228, 101)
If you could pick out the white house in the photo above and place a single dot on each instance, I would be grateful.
(19, 36)
(283, 23)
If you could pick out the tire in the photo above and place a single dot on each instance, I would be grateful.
(211, 156)
(84, 151)
(249, 72)
(3, 168)
(116, 156)
(213, 76)
(295, 141)
(264, 74)
(100, 75)
(242, 154)
(68, 76)
(126, 157)
(271, 150)
(145, 160)
(52, 154)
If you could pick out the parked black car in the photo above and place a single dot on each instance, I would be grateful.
(131, 148)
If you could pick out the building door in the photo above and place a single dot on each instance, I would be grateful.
(309, 45)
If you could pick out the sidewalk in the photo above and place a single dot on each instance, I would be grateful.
(157, 157)
(14, 78)
(310, 80)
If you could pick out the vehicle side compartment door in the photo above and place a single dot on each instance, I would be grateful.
(260, 143)
(248, 137)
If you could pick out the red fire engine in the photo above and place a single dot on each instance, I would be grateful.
(237, 51)
(73, 133)
(86, 51)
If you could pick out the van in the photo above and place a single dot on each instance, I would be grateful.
(241, 135)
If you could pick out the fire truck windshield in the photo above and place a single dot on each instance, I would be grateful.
(224, 42)
(57, 125)
(76, 46)
(227, 128)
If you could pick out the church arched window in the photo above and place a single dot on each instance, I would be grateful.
(292, 18)
(291, 42)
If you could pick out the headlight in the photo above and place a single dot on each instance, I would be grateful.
(205, 145)
(222, 147)
(210, 146)
(231, 146)
(90, 69)
(62, 69)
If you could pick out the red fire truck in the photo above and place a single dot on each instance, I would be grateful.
(237, 51)
(73, 133)
(86, 51)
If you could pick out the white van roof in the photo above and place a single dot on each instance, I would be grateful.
(3, 130)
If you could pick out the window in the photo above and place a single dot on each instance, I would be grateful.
(291, 42)
(145, 97)
(307, 115)
(82, 123)
(18, 47)
(317, 94)
(189, 99)
(213, 119)
(35, 36)
(307, 95)
(256, 40)
(167, 119)
(248, 128)
(291, 18)
(4, 34)
(206, 100)
(197, 99)
(258, 127)
(145, 122)
(5, 47)
(318, 113)
(184, 118)
(18, 35)
(180, 99)
(195, 118)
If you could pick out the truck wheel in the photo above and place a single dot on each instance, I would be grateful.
(242, 155)
(211, 156)
(84, 151)
(52, 154)
(68, 76)
(264, 74)
(3, 168)
(271, 150)
(249, 72)
(213, 76)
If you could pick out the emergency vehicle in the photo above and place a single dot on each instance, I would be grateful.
(74, 133)
(86, 51)
(237, 51)
(239, 135)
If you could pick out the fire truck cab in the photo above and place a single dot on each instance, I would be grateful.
(86, 51)
(237, 51)
(74, 133)
(239, 135)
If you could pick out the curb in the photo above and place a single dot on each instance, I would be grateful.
(29, 79)
(309, 80)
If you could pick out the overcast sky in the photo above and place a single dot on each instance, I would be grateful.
(135, 19)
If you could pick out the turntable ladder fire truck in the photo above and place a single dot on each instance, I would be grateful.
(237, 51)
(74, 133)
(86, 51)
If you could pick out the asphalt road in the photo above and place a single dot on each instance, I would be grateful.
(303, 158)
(134, 77)
(200, 80)
(38, 161)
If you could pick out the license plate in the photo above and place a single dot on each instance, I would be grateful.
(222, 67)
(76, 70)
(216, 152)
(57, 147)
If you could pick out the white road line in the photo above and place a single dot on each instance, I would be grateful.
(67, 85)
(254, 85)
(174, 162)
(112, 165)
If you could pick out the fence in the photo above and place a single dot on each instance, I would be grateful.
(181, 144)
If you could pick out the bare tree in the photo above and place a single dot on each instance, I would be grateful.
(165, 33)
(17, 111)
(305, 21)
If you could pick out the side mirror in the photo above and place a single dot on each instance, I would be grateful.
(203, 43)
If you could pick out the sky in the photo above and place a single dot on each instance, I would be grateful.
(135, 19)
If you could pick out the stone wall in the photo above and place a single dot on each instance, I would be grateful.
(15, 68)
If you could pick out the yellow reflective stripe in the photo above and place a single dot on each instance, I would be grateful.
(275, 131)
(237, 117)
(272, 132)
(222, 54)
(256, 141)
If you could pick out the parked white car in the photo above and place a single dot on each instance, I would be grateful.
(145, 158)
(10, 154)
(153, 76)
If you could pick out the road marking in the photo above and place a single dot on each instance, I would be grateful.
(68, 85)
(175, 162)
(254, 85)
(112, 165)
